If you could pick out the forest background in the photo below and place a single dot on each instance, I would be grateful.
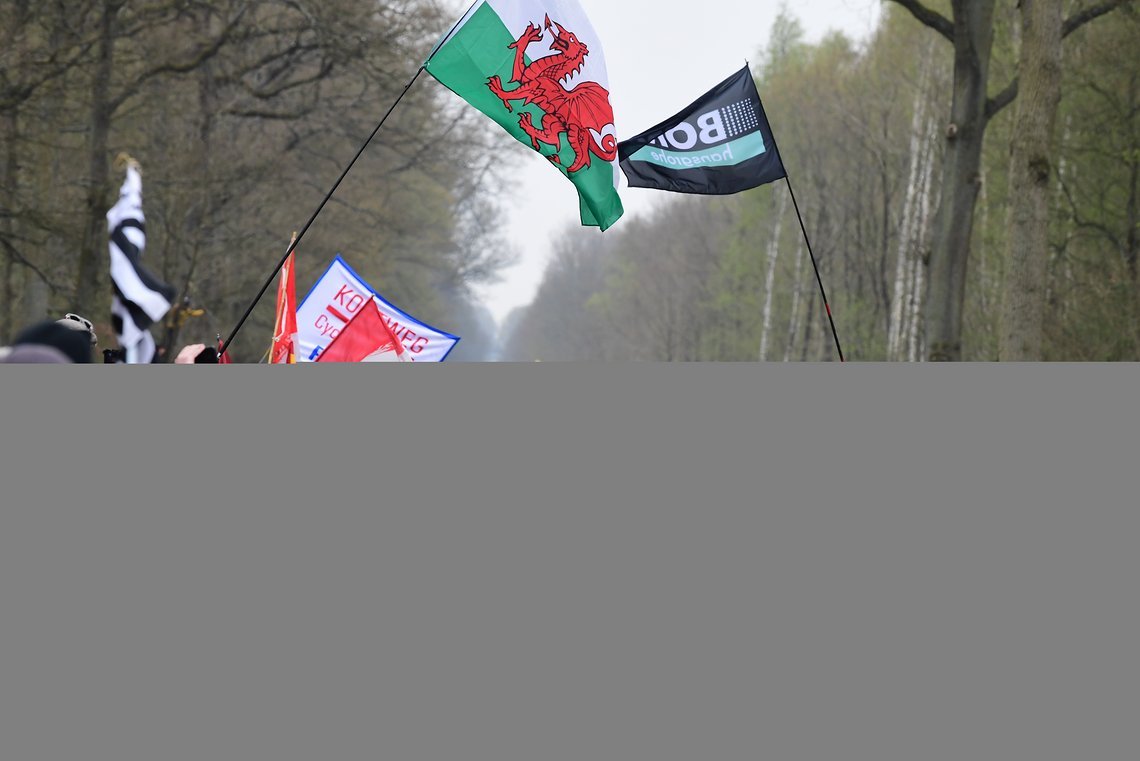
(969, 176)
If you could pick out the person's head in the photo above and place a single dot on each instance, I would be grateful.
(74, 343)
(82, 324)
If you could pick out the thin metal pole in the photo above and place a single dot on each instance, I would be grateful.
(803, 229)
(293, 245)
(818, 279)
(297, 239)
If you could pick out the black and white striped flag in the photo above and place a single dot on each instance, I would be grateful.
(141, 299)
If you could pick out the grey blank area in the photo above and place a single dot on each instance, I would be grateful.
(611, 567)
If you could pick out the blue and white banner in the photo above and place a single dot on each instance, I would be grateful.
(338, 295)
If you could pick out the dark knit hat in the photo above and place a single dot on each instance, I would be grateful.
(75, 344)
(75, 322)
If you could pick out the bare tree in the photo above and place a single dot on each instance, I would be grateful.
(906, 250)
(1023, 298)
(241, 112)
(770, 278)
(970, 32)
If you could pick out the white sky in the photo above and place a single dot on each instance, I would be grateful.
(661, 55)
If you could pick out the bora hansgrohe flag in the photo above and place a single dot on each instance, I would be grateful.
(536, 67)
(720, 144)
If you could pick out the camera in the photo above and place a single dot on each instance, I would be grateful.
(114, 356)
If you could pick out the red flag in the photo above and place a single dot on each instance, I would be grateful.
(223, 356)
(284, 350)
(366, 338)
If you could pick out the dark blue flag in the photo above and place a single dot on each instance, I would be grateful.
(719, 145)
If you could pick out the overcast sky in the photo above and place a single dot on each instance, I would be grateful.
(661, 56)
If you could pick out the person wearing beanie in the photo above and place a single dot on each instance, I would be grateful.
(75, 322)
(75, 343)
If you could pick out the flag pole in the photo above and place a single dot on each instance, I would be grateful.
(297, 238)
(819, 279)
(328, 196)
(803, 229)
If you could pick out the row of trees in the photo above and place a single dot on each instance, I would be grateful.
(969, 180)
(242, 113)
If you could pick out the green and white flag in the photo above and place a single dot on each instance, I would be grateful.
(536, 67)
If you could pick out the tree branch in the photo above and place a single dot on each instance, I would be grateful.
(1077, 20)
(19, 258)
(1001, 100)
(995, 104)
(933, 19)
(197, 58)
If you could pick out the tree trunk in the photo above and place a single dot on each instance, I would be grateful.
(797, 290)
(1039, 95)
(90, 299)
(770, 279)
(1132, 244)
(35, 301)
(971, 33)
(907, 224)
(201, 211)
(915, 327)
(809, 323)
(954, 222)
(915, 351)
(984, 271)
(11, 193)
(1066, 233)
(7, 318)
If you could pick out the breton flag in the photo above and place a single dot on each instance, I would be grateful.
(719, 145)
(140, 298)
(536, 67)
(366, 338)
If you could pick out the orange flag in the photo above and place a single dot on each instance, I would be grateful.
(366, 338)
(284, 351)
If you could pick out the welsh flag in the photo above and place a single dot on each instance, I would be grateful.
(536, 67)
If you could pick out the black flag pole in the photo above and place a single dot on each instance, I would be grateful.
(328, 196)
(807, 240)
(803, 229)
(347, 169)
(818, 279)
(732, 158)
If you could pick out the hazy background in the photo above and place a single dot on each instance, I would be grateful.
(662, 55)
(242, 112)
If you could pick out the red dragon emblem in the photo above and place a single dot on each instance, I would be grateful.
(582, 112)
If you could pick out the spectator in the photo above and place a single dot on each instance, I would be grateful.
(75, 322)
(197, 354)
(188, 353)
(32, 354)
(74, 342)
